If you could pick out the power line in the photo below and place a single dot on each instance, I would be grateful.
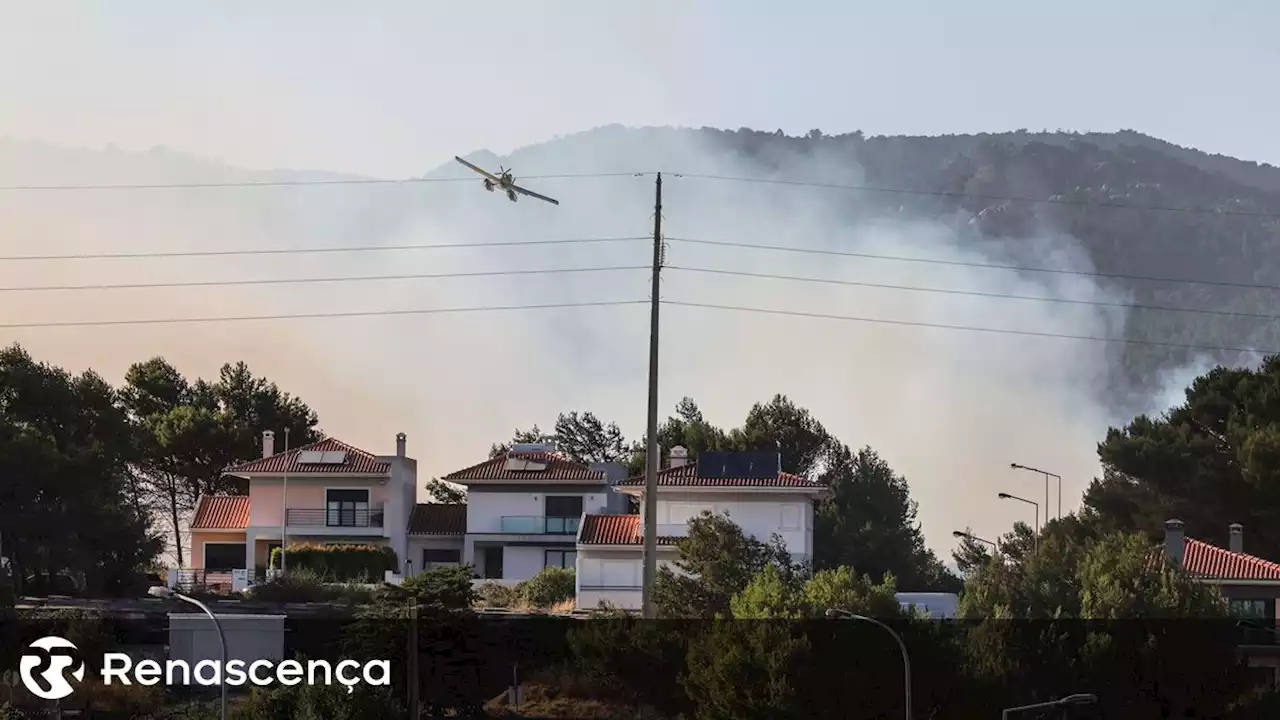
(978, 196)
(298, 183)
(307, 251)
(966, 328)
(964, 263)
(974, 293)
(311, 316)
(339, 279)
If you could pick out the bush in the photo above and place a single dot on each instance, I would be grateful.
(300, 585)
(341, 563)
(495, 595)
(445, 587)
(7, 598)
(550, 586)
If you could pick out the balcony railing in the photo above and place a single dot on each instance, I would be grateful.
(538, 525)
(319, 517)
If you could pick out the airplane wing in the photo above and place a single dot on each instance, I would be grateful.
(533, 194)
(485, 173)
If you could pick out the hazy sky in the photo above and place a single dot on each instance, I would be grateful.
(393, 88)
(396, 88)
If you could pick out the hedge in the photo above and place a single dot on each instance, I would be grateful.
(340, 563)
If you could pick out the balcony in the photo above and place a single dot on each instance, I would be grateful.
(538, 525)
(320, 517)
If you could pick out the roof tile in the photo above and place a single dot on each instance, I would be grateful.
(357, 461)
(1203, 560)
(558, 468)
(217, 512)
(687, 476)
(438, 519)
(615, 530)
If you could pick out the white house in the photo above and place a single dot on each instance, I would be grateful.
(749, 487)
(522, 514)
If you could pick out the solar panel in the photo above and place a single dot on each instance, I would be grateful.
(310, 457)
(333, 457)
(738, 464)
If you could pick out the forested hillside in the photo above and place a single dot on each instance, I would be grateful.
(1218, 218)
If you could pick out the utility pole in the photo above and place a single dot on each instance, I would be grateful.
(414, 678)
(651, 458)
(284, 505)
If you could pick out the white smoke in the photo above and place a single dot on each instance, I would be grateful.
(950, 409)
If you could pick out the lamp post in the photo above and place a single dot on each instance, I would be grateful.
(1036, 505)
(833, 613)
(975, 538)
(1077, 699)
(163, 592)
(1046, 475)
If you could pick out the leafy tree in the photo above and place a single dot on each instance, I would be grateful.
(870, 523)
(449, 588)
(843, 589)
(549, 586)
(717, 561)
(446, 492)
(532, 435)
(1211, 461)
(65, 499)
(791, 430)
(748, 670)
(586, 439)
(768, 596)
(188, 433)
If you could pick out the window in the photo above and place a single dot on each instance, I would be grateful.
(492, 562)
(562, 513)
(223, 556)
(1251, 609)
(790, 517)
(440, 557)
(347, 508)
(561, 559)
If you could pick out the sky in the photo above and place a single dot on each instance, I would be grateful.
(396, 90)
(334, 87)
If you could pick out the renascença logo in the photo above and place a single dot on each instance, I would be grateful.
(44, 665)
(43, 671)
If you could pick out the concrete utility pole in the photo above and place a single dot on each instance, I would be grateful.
(284, 506)
(651, 458)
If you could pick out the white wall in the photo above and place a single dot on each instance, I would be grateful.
(613, 576)
(522, 563)
(485, 510)
(758, 515)
(416, 544)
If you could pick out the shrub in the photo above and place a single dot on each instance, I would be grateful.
(342, 563)
(7, 598)
(550, 586)
(300, 585)
(496, 595)
(446, 587)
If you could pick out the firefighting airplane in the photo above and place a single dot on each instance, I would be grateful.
(505, 181)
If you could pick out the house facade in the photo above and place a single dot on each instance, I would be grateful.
(523, 512)
(1251, 586)
(327, 492)
(749, 487)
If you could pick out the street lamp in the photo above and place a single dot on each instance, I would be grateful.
(835, 614)
(1046, 475)
(1077, 699)
(1036, 505)
(975, 538)
(160, 591)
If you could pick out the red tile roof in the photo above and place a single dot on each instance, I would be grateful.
(438, 519)
(558, 468)
(687, 476)
(1207, 561)
(216, 512)
(615, 530)
(357, 461)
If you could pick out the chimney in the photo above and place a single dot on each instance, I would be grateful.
(1237, 538)
(1174, 543)
(679, 457)
(268, 443)
(400, 443)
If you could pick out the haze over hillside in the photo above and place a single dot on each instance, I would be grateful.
(950, 409)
